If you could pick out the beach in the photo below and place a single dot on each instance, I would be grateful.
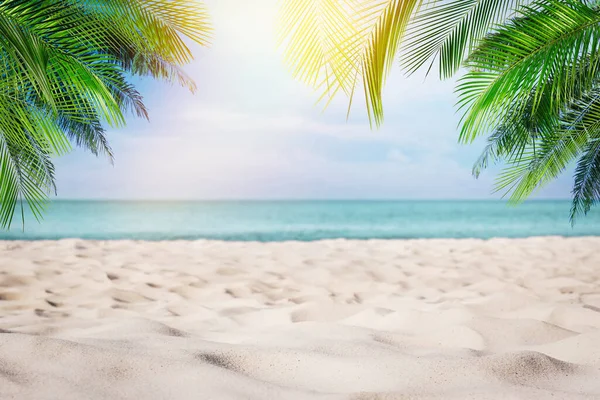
(330, 319)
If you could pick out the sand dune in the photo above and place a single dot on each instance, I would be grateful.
(338, 319)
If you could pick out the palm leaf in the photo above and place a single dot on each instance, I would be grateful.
(64, 68)
(520, 59)
(449, 30)
(28, 138)
(345, 45)
(534, 157)
(580, 125)
(586, 190)
(536, 83)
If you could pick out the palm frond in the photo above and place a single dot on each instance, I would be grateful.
(508, 142)
(544, 157)
(380, 52)
(27, 139)
(586, 190)
(519, 132)
(449, 30)
(319, 45)
(520, 60)
(64, 66)
(345, 45)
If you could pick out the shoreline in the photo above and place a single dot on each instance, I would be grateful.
(374, 239)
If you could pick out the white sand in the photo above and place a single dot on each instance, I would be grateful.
(425, 319)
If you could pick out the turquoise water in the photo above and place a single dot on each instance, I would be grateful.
(302, 220)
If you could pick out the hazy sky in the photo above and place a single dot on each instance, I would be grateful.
(251, 131)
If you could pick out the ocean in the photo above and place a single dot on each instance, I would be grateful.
(301, 220)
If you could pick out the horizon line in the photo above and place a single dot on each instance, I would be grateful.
(307, 199)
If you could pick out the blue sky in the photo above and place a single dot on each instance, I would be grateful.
(251, 131)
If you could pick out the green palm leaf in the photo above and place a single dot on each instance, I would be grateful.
(586, 191)
(28, 138)
(64, 75)
(536, 83)
(521, 59)
(580, 126)
(449, 31)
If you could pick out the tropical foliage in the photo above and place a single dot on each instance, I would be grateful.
(65, 69)
(530, 80)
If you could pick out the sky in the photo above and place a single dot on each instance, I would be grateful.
(252, 132)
